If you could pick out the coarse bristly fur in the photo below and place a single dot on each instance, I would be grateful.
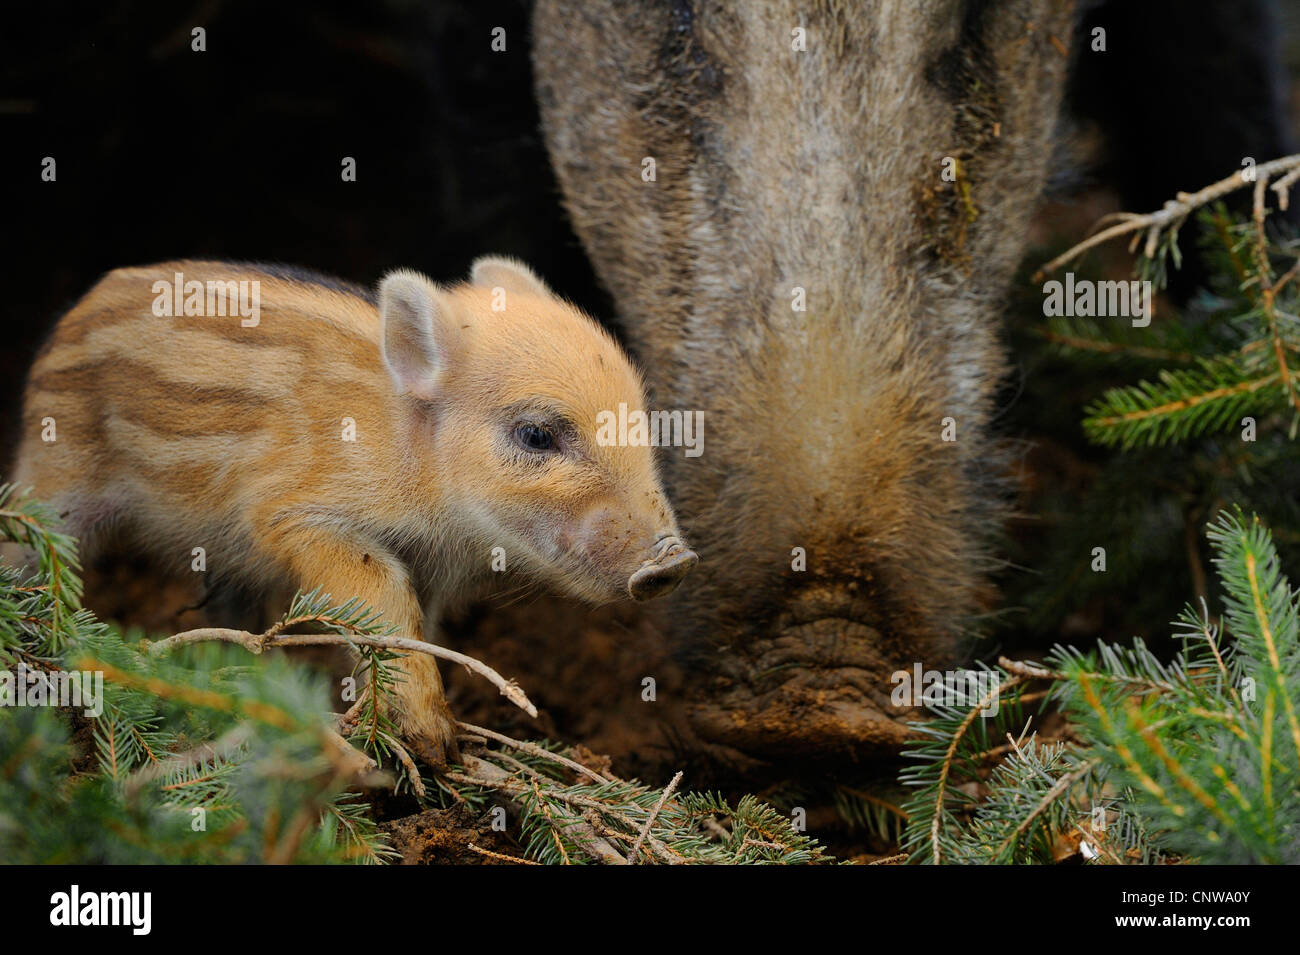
(382, 447)
(820, 169)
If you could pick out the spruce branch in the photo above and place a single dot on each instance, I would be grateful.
(1242, 364)
(957, 737)
(1203, 750)
(1183, 403)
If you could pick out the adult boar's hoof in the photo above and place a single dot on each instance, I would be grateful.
(813, 690)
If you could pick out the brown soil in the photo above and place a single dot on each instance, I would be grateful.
(584, 670)
(443, 837)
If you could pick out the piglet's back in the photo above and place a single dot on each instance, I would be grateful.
(186, 401)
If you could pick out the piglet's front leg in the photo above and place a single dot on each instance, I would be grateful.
(344, 568)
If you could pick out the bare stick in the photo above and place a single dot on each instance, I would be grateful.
(257, 642)
(534, 750)
(348, 720)
(499, 855)
(649, 820)
(715, 828)
(349, 760)
(1178, 209)
(412, 773)
(1283, 188)
(1030, 671)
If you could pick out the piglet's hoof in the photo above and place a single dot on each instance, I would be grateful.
(437, 750)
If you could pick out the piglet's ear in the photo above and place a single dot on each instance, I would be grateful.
(413, 311)
(497, 271)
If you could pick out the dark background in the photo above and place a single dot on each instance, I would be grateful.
(236, 152)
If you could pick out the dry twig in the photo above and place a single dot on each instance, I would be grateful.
(257, 642)
(649, 821)
(1176, 210)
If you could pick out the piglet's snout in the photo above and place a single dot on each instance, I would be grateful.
(669, 563)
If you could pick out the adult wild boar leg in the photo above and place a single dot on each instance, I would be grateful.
(808, 213)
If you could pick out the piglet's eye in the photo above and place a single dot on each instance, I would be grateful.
(534, 437)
